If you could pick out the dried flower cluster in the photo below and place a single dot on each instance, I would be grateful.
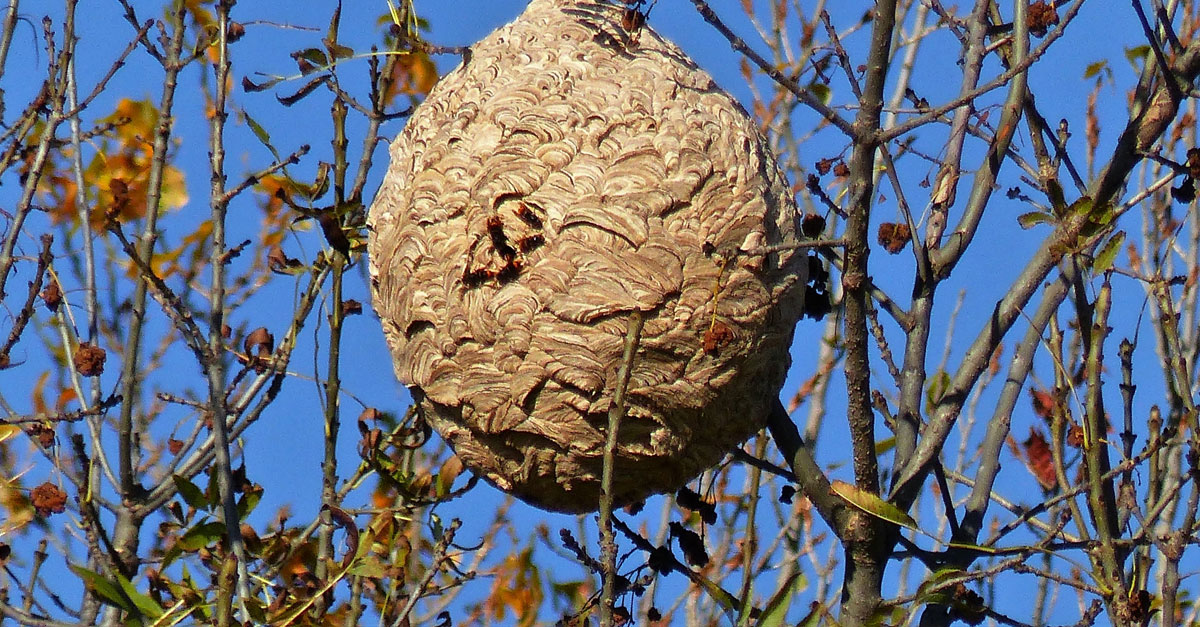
(570, 172)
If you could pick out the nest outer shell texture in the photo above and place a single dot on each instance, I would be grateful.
(568, 173)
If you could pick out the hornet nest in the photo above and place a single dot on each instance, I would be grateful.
(577, 167)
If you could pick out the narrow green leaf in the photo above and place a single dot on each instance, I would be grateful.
(313, 59)
(190, 492)
(249, 501)
(873, 505)
(108, 592)
(338, 50)
(144, 604)
(1083, 207)
(936, 579)
(987, 550)
(775, 613)
(212, 491)
(201, 536)
(1033, 218)
(885, 445)
(814, 616)
(723, 598)
(335, 24)
(1107, 255)
(1058, 201)
(935, 388)
(1095, 68)
(260, 133)
(1136, 54)
(257, 611)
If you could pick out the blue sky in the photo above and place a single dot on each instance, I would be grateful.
(285, 448)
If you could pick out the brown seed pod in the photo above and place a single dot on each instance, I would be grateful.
(547, 188)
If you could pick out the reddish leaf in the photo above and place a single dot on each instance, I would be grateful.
(48, 499)
(1040, 17)
(43, 433)
(351, 307)
(894, 236)
(1075, 436)
(259, 343)
(89, 359)
(1043, 402)
(258, 347)
(52, 295)
(1039, 459)
(717, 336)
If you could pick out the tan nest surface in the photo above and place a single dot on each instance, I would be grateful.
(570, 172)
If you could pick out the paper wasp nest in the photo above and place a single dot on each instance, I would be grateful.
(575, 168)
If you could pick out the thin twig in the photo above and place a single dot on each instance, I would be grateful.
(608, 544)
(803, 94)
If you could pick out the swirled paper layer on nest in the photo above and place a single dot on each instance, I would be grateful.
(570, 172)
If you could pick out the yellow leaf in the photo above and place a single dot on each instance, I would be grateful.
(415, 74)
(13, 499)
(873, 505)
(39, 394)
(8, 431)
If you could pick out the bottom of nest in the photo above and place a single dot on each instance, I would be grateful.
(530, 467)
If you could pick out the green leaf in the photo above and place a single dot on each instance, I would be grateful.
(370, 566)
(1136, 54)
(338, 50)
(1093, 69)
(260, 133)
(885, 445)
(1086, 207)
(212, 491)
(936, 580)
(775, 613)
(814, 616)
(873, 505)
(249, 501)
(1034, 218)
(821, 91)
(201, 536)
(190, 492)
(1107, 255)
(935, 388)
(196, 605)
(257, 611)
(314, 56)
(108, 591)
(985, 550)
(144, 604)
(1054, 192)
